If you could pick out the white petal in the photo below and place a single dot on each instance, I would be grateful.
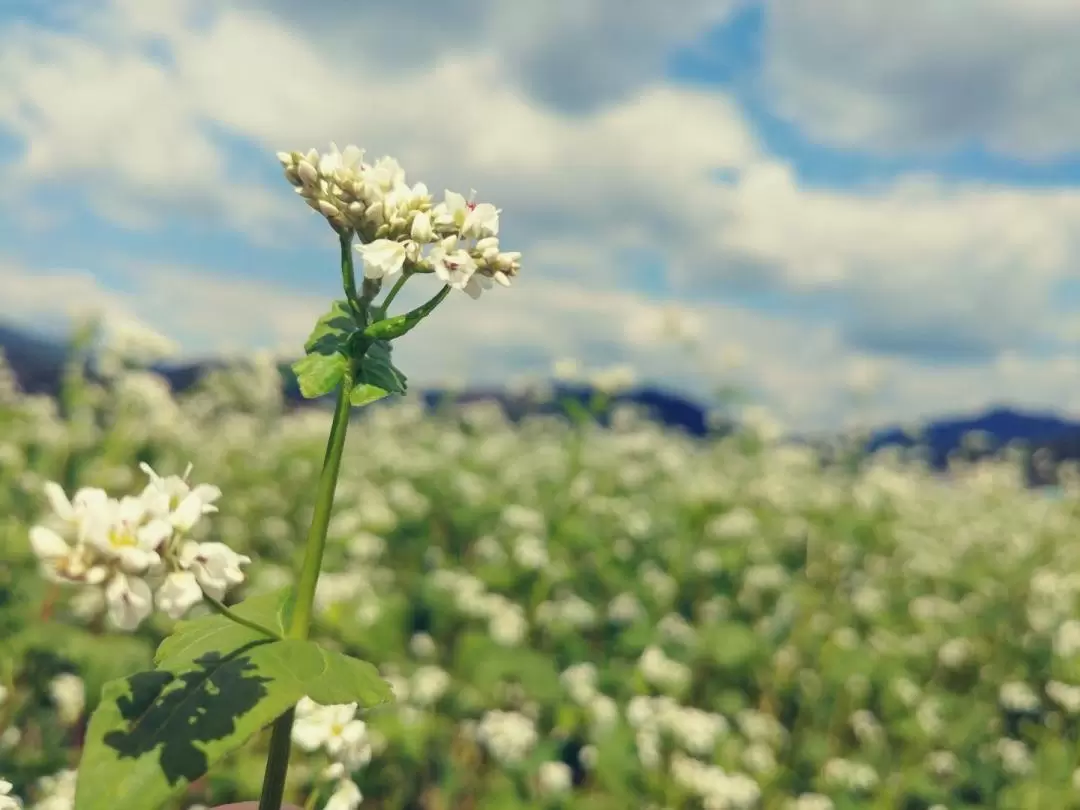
(178, 593)
(47, 544)
(58, 500)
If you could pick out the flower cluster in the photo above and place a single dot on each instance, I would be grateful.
(395, 222)
(135, 550)
(337, 731)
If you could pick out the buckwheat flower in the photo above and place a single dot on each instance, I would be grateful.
(383, 258)
(128, 600)
(179, 592)
(57, 791)
(662, 671)
(452, 265)
(383, 177)
(811, 801)
(7, 800)
(216, 566)
(475, 286)
(1018, 697)
(1015, 756)
(603, 712)
(69, 696)
(123, 529)
(333, 728)
(580, 681)
(422, 645)
(174, 499)
(338, 164)
(857, 777)
(63, 563)
(507, 736)
(74, 512)
(428, 685)
(1067, 639)
(555, 778)
(1064, 695)
(942, 764)
(421, 231)
(508, 626)
(10, 737)
(346, 796)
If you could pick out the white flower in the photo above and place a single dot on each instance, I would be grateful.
(178, 593)
(421, 230)
(333, 728)
(383, 258)
(8, 801)
(174, 499)
(429, 684)
(472, 220)
(334, 161)
(453, 266)
(58, 791)
(64, 563)
(129, 601)
(124, 530)
(475, 286)
(508, 736)
(346, 796)
(555, 777)
(69, 695)
(481, 221)
(215, 566)
(74, 512)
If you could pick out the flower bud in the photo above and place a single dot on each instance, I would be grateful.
(421, 230)
(309, 175)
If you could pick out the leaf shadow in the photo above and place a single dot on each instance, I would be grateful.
(175, 712)
(328, 344)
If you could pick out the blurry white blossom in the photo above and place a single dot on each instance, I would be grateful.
(8, 801)
(69, 696)
(508, 736)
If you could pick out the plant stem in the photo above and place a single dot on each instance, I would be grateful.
(395, 289)
(228, 613)
(348, 275)
(299, 620)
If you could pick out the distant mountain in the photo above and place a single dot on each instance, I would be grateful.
(37, 363)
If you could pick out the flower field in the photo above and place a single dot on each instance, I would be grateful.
(571, 616)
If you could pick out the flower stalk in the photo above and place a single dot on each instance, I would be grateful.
(300, 608)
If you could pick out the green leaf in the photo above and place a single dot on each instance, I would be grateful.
(328, 351)
(376, 375)
(156, 732)
(364, 394)
(332, 330)
(319, 374)
(377, 369)
(194, 638)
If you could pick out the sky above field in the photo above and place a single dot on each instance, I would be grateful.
(858, 209)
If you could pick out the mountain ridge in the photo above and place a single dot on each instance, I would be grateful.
(37, 363)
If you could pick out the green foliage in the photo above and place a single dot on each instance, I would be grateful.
(798, 601)
(336, 341)
(216, 683)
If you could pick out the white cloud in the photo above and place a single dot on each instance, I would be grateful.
(909, 269)
(805, 374)
(927, 75)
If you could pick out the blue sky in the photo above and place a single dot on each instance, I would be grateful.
(879, 200)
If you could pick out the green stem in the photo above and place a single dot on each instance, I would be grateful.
(228, 613)
(348, 275)
(395, 289)
(398, 325)
(300, 609)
